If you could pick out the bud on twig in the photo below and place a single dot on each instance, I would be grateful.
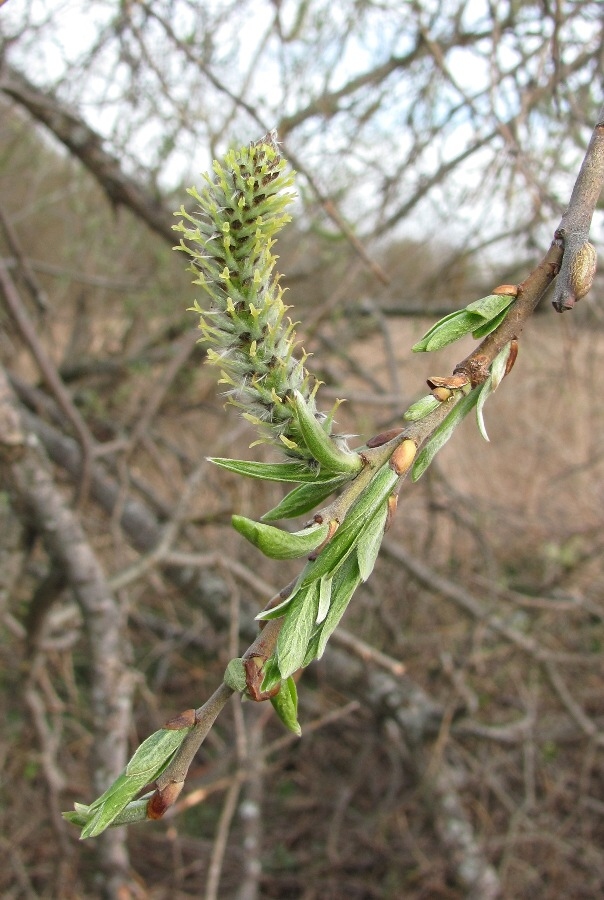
(578, 278)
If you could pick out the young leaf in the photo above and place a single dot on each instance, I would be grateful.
(135, 811)
(146, 765)
(344, 540)
(285, 704)
(296, 631)
(115, 804)
(297, 473)
(498, 367)
(474, 319)
(422, 345)
(320, 445)
(278, 544)
(117, 798)
(345, 584)
(313, 646)
(234, 675)
(464, 323)
(276, 612)
(154, 751)
(485, 392)
(272, 675)
(488, 327)
(442, 434)
(490, 307)
(303, 498)
(324, 598)
(370, 541)
(421, 408)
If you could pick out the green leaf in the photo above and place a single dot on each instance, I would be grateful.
(488, 327)
(370, 542)
(344, 540)
(421, 408)
(490, 307)
(485, 391)
(288, 472)
(122, 791)
(272, 675)
(496, 375)
(135, 811)
(322, 447)
(276, 612)
(234, 675)
(285, 704)
(499, 365)
(345, 584)
(324, 598)
(278, 544)
(296, 631)
(303, 498)
(453, 331)
(154, 751)
(422, 345)
(441, 435)
(474, 319)
(149, 761)
(313, 646)
(78, 816)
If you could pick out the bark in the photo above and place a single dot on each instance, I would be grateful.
(26, 475)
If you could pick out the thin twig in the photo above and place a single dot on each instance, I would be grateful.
(220, 842)
(38, 294)
(20, 317)
(576, 221)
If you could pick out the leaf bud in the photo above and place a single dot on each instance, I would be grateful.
(510, 290)
(402, 458)
(583, 269)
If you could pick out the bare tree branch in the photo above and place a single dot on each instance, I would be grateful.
(24, 473)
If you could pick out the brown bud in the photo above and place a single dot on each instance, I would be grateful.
(508, 289)
(402, 458)
(451, 382)
(582, 270)
(384, 437)
(182, 720)
(163, 799)
(511, 356)
(441, 394)
(392, 505)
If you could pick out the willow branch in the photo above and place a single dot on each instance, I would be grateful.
(573, 229)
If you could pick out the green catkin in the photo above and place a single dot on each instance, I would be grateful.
(229, 239)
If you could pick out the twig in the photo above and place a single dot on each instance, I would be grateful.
(199, 795)
(587, 726)
(39, 295)
(171, 780)
(476, 365)
(18, 313)
(250, 812)
(87, 145)
(220, 842)
(24, 473)
(160, 388)
(574, 226)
